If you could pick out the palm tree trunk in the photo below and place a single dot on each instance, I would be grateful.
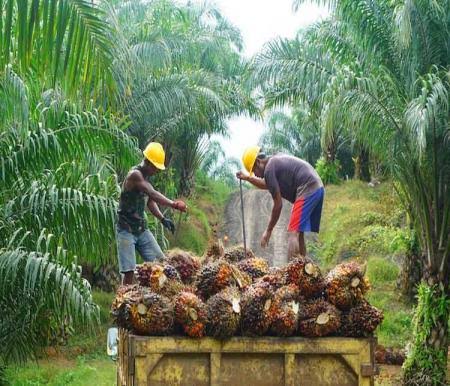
(427, 362)
(361, 162)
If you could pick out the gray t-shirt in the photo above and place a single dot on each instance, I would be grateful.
(291, 176)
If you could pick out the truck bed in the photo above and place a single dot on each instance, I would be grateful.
(245, 361)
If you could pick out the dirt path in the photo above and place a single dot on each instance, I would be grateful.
(257, 207)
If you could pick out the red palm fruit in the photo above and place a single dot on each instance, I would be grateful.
(256, 317)
(224, 313)
(285, 310)
(151, 314)
(255, 267)
(361, 320)
(125, 297)
(346, 285)
(186, 264)
(318, 318)
(191, 314)
(306, 274)
(237, 253)
(214, 277)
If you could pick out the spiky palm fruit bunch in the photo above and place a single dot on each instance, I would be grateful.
(285, 310)
(255, 267)
(160, 278)
(276, 278)
(125, 296)
(306, 274)
(237, 253)
(346, 285)
(186, 264)
(224, 313)
(191, 314)
(256, 317)
(151, 314)
(362, 320)
(215, 276)
(214, 251)
(318, 318)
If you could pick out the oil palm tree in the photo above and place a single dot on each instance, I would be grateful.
(381, 69)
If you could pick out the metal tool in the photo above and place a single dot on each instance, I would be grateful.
(243, 218)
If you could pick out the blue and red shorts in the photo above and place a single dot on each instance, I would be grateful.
(306, 212)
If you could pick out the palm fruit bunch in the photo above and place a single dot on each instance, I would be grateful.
(361, 320)
(256, 316)
(237, 253)
(191, 314)
(126, 295)
(256, 267)
(151, 314)
(276, 278)
(215, 276)
(214, 251)
(318, 318)
(306, 274)
(162, 279)
(224, 313)
(186, 265)
(285, 310)
(346, 285)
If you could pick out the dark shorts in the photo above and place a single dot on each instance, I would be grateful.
(306, 212)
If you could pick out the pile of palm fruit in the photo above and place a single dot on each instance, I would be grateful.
(229, 292)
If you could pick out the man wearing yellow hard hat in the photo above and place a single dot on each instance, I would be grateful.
(290, 178)
(138, 194)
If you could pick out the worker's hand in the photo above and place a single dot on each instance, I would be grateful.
(168, 224)
(265, 238)
(179, 205)
(242, 176)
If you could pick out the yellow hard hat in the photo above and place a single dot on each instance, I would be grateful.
(249, 157)
(154, 152)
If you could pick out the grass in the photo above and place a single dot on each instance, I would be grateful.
(366, 224)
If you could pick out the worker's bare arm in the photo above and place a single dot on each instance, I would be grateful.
(154, 209)
(135, 180)
(275, 215)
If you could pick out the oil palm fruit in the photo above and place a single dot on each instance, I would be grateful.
(215, 276)
(214, 251)
(160, 278)
(346, 285)
(224, 313)
(186, 264)
(285, 310)
(256, 267)
(191, 314)
(151, 314)
(306, 274)
(318, 318)
(256, 303)
(361, 320)
(125, 297)
(276, 278)
(237, 253)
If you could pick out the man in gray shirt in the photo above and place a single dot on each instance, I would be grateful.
(293, 179)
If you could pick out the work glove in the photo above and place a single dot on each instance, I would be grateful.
(168, 224)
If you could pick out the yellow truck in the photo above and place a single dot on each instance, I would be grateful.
(245, 361)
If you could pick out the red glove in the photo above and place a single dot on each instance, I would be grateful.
(179, 205)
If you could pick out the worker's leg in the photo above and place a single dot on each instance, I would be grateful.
(148, 247)
(126, 243)
(301, 244)
(293, 247)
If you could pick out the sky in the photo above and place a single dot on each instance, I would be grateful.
(261, 21)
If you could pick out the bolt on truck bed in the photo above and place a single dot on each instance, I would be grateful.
(245, 361)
